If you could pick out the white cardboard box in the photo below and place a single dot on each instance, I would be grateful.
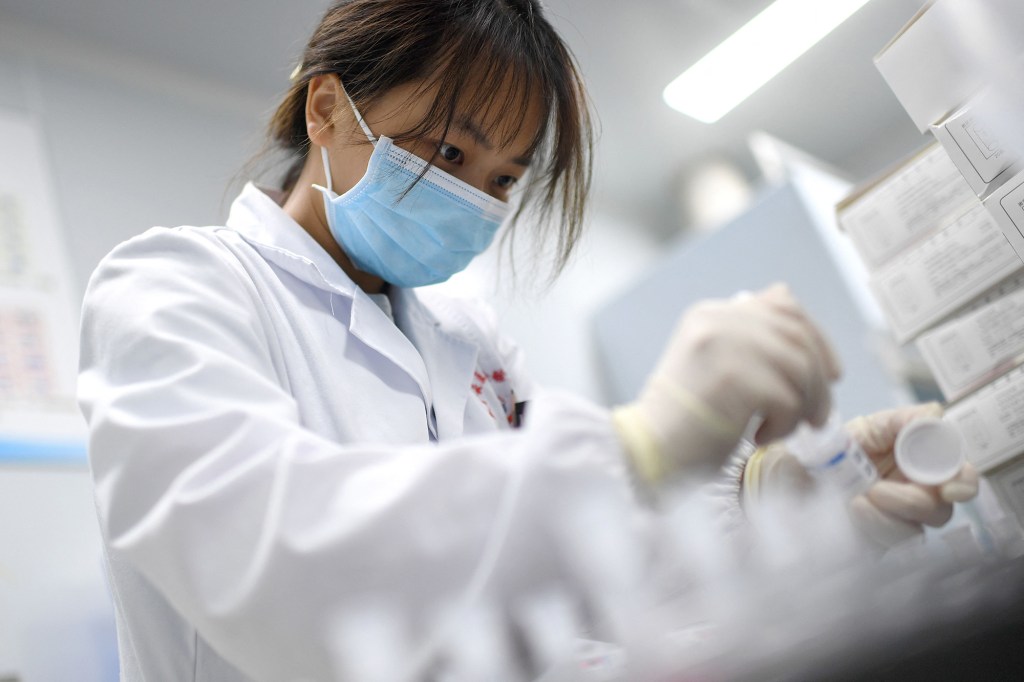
(907, 203)
(1008, 483)
(992, 421)
(923, 67)
(1006, 205)
(944, 273)
(944, 54)
(972, 146)
(980, 344)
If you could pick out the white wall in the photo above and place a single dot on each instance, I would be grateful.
(553, 324)
(56, 621)
(555, 329)
(130, 145)
(777, 239)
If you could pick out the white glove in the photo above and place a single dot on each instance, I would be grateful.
(893, 509)
(727, 361)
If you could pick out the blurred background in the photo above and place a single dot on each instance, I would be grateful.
(147, 112)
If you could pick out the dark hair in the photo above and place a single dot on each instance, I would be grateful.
(463, 47)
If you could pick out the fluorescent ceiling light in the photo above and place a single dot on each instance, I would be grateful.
(753, 55)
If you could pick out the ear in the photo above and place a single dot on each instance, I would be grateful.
(322, 97)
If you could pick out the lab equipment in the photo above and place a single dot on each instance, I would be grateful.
(831, 455)
(930, 451)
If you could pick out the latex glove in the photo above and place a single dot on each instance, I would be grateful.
(895, 509)
(727, 361)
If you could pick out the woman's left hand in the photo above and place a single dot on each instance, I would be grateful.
(896, 509)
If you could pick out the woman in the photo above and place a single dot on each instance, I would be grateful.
(285, 434)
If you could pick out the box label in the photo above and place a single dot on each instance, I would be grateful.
(992, 421)
(1008, 483)
(980, 148)
(944, 273)
(979, 345)
(915, 202)
(1012, 204)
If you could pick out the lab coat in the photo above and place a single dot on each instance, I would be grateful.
(274, 457)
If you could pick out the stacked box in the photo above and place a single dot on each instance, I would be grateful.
(935, 63)
(974, 148)
(928, 242)
(934, 279)
(943, 234)
(992, 423)
(928, 75)
(912, 200)
(979, 345)
(1006, 205)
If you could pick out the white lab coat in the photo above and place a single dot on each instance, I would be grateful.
(266, 463)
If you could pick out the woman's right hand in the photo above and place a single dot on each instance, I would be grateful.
(728, 360)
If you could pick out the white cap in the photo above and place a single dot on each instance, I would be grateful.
(930, 451)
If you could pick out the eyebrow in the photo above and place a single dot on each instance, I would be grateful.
(470, 127)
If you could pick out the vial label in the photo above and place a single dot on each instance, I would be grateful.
(851, 471)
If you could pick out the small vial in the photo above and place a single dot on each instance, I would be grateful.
(930, 451)
(833, 456)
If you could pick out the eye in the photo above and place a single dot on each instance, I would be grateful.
(449, 153)
(505, 181)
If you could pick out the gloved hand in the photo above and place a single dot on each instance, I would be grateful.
(893, 509)
(727, 361)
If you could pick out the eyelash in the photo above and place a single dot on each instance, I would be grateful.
(503, 181)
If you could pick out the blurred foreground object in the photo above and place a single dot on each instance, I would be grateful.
(796, 597)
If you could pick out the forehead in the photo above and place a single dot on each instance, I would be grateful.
(507, 114)
(506, 109)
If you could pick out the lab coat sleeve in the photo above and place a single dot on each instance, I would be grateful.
(267, 537)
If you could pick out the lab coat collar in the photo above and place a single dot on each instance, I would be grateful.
(432, 356)
(260, 220)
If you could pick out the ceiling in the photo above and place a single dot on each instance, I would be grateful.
(831, 103)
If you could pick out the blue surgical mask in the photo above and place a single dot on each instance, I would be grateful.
(406, 221)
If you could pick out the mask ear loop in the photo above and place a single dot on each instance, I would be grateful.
(359, 118)
(366, 130)
(327, 168)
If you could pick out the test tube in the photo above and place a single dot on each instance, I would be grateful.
(833, 456)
